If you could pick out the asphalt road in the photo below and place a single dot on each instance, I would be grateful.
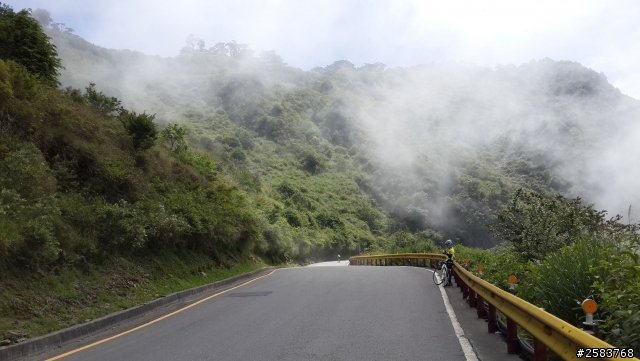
(309, 313)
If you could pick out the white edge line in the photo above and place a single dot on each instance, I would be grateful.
(464, 341)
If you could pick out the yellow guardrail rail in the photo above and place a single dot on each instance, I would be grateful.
(403, 257)
(559, 336)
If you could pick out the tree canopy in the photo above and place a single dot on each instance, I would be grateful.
(23, 41)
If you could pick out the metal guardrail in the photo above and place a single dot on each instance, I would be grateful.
(386, 259)
(548, 331)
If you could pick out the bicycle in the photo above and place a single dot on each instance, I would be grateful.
(441, 274)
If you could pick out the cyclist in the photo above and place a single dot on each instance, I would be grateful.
(449, 252)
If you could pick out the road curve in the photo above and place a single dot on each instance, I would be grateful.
(309, 313)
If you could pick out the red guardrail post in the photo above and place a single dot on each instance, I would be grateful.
(480, 307)
(403, 262)
(459, 283)
(492, 326)
(540, 351)
(513, 346)
(465, 290)
(472, 297)
(431, 263)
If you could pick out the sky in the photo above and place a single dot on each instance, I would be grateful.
(602, 35)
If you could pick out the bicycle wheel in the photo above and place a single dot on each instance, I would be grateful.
(438, 276)
(445, 274)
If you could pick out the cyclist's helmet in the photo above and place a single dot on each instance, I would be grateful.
(448, 243)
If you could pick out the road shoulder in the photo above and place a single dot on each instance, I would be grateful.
(487, 346)
(189, 297)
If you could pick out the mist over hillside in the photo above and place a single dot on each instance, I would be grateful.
(437, 147)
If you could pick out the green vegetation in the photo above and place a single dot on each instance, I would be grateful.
(582, 255)
(39, 303)
(23, 41)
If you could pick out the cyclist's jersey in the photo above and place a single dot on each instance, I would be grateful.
(450, 253)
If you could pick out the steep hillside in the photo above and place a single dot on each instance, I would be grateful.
(437, 147)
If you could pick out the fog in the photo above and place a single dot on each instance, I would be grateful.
(600, 35)
(577, 125)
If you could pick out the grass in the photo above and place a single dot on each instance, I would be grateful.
(39, 303)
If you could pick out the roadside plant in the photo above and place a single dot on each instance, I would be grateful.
(563, 280)
(618, 293)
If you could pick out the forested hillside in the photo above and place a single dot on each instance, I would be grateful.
(437, 147)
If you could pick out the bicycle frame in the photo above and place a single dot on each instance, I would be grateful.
(445, 272)
(441, 275)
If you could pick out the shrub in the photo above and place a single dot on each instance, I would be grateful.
(232, 142)
(140, 128)
(537, 226)
(104, 104)
(200, 161)
(312, 163)
(286, 189)
(618, 292)
(238, 154)
(174, 136)
(498, 263)
(330, 221)
(28, 209)
(563, 280)
(292, 218)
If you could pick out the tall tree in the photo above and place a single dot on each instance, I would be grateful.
(270, 57)
(338, 65)
(219, 49)
(23, 41)
(43, 17)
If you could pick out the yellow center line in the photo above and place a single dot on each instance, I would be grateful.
(156, 320)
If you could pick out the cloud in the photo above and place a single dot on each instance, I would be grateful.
(601, 35)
